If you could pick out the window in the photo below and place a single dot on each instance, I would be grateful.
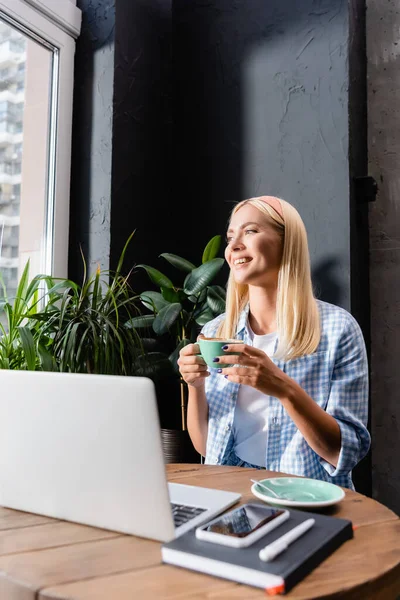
(37, 45)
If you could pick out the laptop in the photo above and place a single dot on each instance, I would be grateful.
(87, 448)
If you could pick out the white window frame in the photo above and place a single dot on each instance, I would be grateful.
(58, 22)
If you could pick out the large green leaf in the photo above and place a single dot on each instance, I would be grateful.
(153, 300)
(201, 277)
(212, 249)
(171, 296)
(47, 360)
(180, 263)
(216, 298)
(28, 346)
(205, 316)
(140, 322)
(166, 318)
(199, 299)
(157, 277)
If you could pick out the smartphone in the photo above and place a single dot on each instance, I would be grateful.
(242, 526)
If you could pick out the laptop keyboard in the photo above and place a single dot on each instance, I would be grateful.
(182, 513)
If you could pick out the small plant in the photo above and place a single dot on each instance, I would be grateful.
(21, 345)
(56, 324)
(178, 310)
(86, 322)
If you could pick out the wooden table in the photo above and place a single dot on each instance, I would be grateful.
(46, 559)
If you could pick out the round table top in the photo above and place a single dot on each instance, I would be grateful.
(48, 559)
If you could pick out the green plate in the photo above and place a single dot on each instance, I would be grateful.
(298, 492)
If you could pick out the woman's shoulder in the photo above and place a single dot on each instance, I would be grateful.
(336, 319)
(210, 328)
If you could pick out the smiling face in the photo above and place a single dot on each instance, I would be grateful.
(254, 248)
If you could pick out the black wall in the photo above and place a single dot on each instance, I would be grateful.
(92, 147)
(143, 169)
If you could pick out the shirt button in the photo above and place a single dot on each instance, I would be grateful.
(227, 428)
(216, 460)
(275, 421)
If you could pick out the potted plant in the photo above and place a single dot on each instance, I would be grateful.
(176, 313)
(57, 324)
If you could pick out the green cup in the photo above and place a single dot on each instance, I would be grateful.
(210, 348)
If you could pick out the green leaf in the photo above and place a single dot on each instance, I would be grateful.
(180, 263)
(166, 318)
(205, 316)
(69, 345)
(153, 300)
(201, 277)
(157, 277)
(122, 255)
(33, 286)
(216, 299)
(28, 346)
(171, 296)
(212, 249)
(140, 322)
(200, 298)
(46, 359)
(19, 301)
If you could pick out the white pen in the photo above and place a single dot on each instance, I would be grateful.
(272, 550)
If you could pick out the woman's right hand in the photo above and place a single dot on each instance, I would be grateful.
(191, 365)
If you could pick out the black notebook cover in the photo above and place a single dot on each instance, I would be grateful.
(243, 564)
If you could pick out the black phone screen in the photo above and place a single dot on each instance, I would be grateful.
(244, 520)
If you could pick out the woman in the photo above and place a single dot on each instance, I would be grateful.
(296, 400)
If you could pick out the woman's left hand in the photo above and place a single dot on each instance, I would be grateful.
(254, 368)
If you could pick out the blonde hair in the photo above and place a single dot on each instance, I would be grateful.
(297, 315)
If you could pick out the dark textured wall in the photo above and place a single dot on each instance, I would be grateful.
(383, 27)
(142, 166)
(358, 169)
(92, 137)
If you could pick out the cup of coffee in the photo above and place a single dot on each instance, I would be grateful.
(210, 348)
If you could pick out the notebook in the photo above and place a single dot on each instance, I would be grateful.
(87, 448)
(244, 565)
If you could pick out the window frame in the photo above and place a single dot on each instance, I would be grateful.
(58, 22)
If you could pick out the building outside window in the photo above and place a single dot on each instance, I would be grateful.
(37, 44)
(11, 108)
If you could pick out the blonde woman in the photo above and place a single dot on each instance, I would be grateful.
(296, 400)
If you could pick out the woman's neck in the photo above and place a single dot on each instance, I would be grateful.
(262, 313)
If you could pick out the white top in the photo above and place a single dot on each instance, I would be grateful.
(250, 419)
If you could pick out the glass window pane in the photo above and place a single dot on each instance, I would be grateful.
(26, 72)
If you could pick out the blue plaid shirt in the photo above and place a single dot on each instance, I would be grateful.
(335, 376)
